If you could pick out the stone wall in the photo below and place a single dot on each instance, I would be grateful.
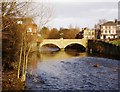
(102, 47)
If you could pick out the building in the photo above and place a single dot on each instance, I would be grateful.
(28, 23)
(89, 34)
(29, 27)
(109, 30)
(118, 28)
(97, 31)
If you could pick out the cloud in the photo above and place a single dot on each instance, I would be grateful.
(65, 22)
(99, 10)
(68, 1)
(113, 10)
(83, 14)
(84, 9)
(105, 10)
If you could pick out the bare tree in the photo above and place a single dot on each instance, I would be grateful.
(45, 13)
(18, 42)
(40, 10)
(101, 21)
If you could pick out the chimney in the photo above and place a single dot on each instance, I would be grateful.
(116, 21)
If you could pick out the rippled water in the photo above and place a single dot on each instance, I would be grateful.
(71, 71)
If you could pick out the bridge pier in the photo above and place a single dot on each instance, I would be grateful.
(62, 49)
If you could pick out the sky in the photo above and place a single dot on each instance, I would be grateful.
(81, 14)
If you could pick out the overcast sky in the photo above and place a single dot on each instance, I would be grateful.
(82, 14)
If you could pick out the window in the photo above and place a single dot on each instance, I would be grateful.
(103, 27)
(105, 31)
(111, 27)
(109, 31)
(19, 22)
(29, 29)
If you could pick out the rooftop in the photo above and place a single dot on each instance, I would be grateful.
(109, 23)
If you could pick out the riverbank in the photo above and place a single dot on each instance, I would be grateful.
(102, 47)
(10, 80)
(116, 42)
(79, 73)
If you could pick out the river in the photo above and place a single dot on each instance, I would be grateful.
(71, 70)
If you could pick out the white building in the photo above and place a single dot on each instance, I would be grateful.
(109, 30)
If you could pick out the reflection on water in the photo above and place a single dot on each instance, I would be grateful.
(49, 55)
(33, 61)
(54, 55)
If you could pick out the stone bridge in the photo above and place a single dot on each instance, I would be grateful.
(62, 43)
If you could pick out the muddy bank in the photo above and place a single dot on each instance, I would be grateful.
(82, 73)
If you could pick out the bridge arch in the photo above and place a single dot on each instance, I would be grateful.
(62, 43)
(50, 44)
(45, 42)
(72, 43)
(76, 46)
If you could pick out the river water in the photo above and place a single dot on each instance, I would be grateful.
(71, 70)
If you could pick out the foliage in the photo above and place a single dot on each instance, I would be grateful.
(11, 39)
(44, 32)
(115, 42)
(70, 33)
(17, 43)
(11, 44)
(54, 34)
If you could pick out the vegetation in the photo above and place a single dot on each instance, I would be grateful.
(116, 42)
(53, 33)
(16, 41)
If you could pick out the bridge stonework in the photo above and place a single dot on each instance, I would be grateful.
(62, 43)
